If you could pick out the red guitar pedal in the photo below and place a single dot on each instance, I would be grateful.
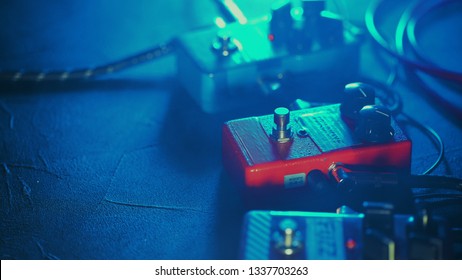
(279, 150)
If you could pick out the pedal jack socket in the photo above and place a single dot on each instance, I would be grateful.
(282, 133)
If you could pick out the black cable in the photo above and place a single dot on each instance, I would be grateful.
(370, 18)
(398, 54)
(439, 196)
(440, 203)
(410, 15)
(415, 17)
(432, 182)
(449, 106)
(87, 73)
(395, 108)
(432, 133)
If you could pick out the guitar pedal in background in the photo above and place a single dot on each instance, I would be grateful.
(276, 152)
(266, 61)
(377, 233)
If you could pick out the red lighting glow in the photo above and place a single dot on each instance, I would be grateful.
(351, 244)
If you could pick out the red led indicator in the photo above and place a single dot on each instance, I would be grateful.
(351, 244)
(271, 37)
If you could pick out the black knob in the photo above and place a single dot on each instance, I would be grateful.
(356, 96)
(374, 125)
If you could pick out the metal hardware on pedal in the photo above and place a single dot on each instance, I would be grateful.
(378, 231)
(301, 235)
(376, 234)
(349, 181)
(288, 240)
(282, 133)
(428, 237)
(378, 246)
(358, 183)
(224, 46)
(379, 216)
